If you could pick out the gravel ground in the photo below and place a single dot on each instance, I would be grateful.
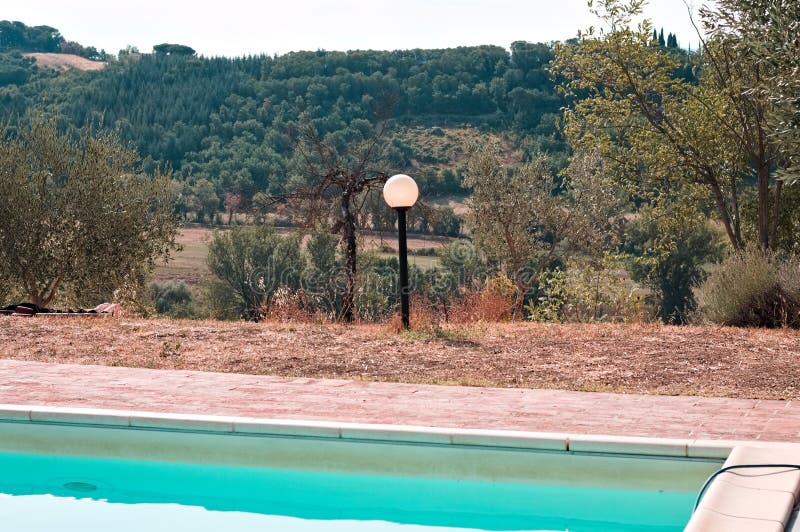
(654, 359)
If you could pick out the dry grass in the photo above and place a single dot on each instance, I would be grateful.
(64, 62)
(189, 265)
(653, 359)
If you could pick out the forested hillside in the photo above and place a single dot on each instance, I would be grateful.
(226, 121)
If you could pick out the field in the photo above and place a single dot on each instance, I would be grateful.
(653, 359)
(189, 264)
(64, 62)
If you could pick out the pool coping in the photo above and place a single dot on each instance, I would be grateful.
(754, 502)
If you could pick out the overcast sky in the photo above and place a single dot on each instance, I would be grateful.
(240, 27)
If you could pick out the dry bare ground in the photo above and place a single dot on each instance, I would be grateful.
(651, 359)
(64, 62)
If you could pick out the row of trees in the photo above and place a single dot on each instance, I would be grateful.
(668, 139)
(16, 36)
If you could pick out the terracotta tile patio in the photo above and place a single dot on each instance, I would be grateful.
(35, 383)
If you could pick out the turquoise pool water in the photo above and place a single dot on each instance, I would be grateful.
(77, 494)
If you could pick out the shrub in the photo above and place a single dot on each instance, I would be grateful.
(494, 302)
(172, 298)
(670, 260)
(752, 288)
(419, 252)
(254, 261)
(462, 260)
(218, 301)
(289, 305)
(588, 291)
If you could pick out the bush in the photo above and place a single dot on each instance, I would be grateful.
(419, 252)
(752, 288)
(670, 260)
(588, 291)
(218, 301)
(493, 302)
(172, 298)
(253, 262)
(462, 260)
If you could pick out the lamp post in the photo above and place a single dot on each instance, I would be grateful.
(400, 192)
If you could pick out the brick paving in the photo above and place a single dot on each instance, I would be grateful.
(37, 383)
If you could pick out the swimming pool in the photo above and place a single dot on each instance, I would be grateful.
(97, 476)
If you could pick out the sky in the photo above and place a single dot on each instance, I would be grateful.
(241, 27)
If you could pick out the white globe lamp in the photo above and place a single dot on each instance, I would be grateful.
(401, 192)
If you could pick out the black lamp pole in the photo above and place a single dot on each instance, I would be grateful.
(400, 193)
(403, 252)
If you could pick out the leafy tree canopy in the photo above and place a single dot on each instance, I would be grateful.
(78, 219)
(173, 49)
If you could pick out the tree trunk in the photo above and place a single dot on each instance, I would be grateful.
(776, 213)
(349, 239)
(763, 206)
(519, 301)
(522, 287)
(731, 225)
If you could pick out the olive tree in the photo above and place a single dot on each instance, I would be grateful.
(334, 176)
(78, 219)
(525, 220)
(765, 33)
(252, 262)
(667, 135)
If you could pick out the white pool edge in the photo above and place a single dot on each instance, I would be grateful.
(665, 447)
(730, 505)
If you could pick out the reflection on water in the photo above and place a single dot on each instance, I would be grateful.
(46, 493)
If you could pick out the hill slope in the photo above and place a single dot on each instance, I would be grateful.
(64, 62)
(229, 120)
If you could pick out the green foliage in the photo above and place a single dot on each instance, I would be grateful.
(787, 221)
(664, 134)
(764, 31)
(17, 36)
(753, 288)
(203, 200)
(173, 299)
(229, 120)
(219, 301)
(321, 250)
(587, 291)
(321, 276)
(376, 284)
(173, 49)
(14, 69)
(427, 219)
(553, 298)
(460, 260)
(92, 221)
(10, 292)
(253, 262)
(669, 255)
(525, 221)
